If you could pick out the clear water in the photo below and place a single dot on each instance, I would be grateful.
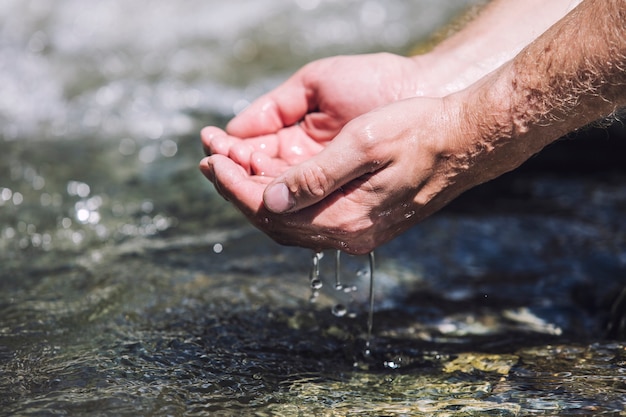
(128, 287)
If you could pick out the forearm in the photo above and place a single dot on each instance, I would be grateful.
(572, 75)
(498, 33)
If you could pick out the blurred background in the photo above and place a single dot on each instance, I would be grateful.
(127, 285)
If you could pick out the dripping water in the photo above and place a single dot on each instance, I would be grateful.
(338, 284)
(370, 314)
(340, 310)
(314, 276)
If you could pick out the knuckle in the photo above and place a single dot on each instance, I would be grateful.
(316, 183)
(367, 143)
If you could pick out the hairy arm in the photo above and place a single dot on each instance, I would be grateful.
(572, 75)
(580, 70)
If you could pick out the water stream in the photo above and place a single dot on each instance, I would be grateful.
(129, 287)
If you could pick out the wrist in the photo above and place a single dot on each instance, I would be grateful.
(439, 74)
(498, 33)
(450, 70)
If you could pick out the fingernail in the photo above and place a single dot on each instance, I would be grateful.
(278, 199)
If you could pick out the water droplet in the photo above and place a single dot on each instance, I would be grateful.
(6, 194)
(391, 365)
(66, 222)
(82, 215)
(77, 188)
(370, 316)
(9, 233)
(350, 289)
(147, 206)
(147, 154)
(18, 198)
(314, 276)
(168, 148)
(339, 310)
(38, 183)
(338, 284)
(361, 272)
(315, 266)
(367, 352)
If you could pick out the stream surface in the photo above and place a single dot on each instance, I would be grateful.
(129, 287)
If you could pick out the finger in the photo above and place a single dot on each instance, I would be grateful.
(311, 181)
(234, 184)
(241, 151)
(284, 106)
(216, 141)
(207, 170)
(240, 154)
(264, 165)
(207, 135)
(321, 126)
(209, 132)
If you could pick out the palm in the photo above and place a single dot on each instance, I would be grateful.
(342, 88)
(296, 121)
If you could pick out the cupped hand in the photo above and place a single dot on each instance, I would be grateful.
(384, 171)
(298, 118)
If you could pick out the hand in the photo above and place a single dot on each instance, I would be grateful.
(297, 119)
(385, 171)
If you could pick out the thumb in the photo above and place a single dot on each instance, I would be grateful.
(315, 179)
(284, 106)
